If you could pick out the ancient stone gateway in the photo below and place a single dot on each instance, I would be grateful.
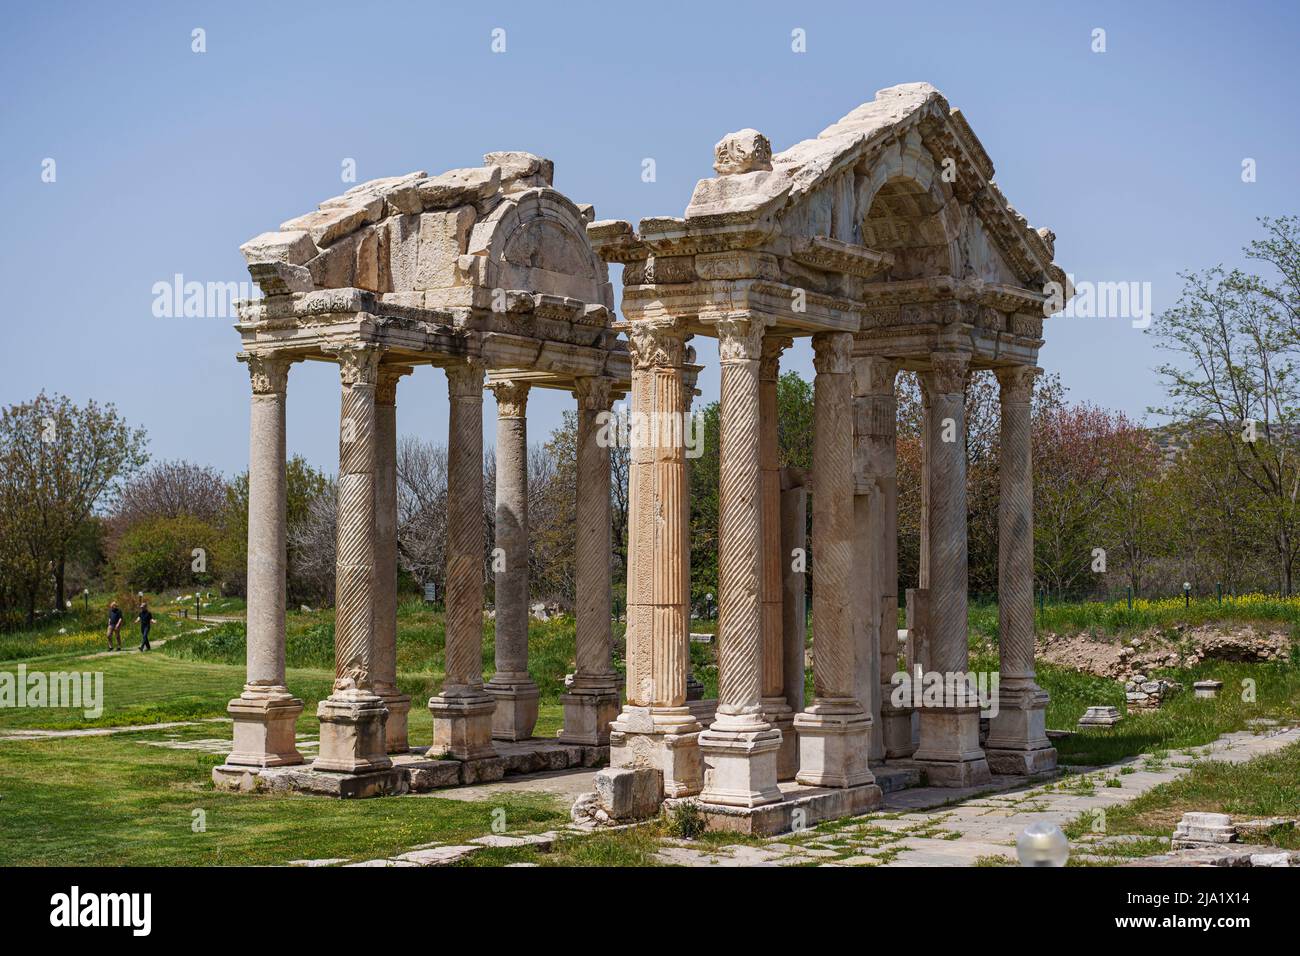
(886, 241)
(486, 273)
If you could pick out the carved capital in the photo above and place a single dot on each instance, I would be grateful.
(740, 337)
(948, 373)
(386, 388)
(268, 374)
(1017, 383)
(833, 353)
(465, 380)
(875, 375)
(656, 344)
(358, 365)
(743, 151)
(769, 367)
(593, 392)
(512, 397)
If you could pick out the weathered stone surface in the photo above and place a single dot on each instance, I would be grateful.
(627, 794)
(293, 246)
(521, 170)
(1204, 828)
(443, 237)
(1100, 716)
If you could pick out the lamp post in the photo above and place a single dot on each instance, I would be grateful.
(85, 593)
(1187, 594)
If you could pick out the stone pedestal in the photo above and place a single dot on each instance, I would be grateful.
(352, 733)
(949, 751)
(834, 741)
(740, 766)
(587, 717)
(264, 730)
(666, 740)
(515, 714)
(462, 726)
(1017, 741)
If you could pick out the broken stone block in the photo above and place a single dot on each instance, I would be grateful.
(520, 170)
(1204, 828)
(1208, 689)
(443, 237)
(629, 794)
(1101, 716)
(294, 247)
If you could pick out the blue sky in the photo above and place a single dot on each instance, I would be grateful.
(167, 160)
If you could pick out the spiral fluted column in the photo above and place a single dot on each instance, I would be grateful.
(353, 717)
(1017, 741)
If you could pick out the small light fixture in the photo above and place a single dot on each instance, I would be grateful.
(1042, 844)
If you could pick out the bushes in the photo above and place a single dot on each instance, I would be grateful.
(159, 554)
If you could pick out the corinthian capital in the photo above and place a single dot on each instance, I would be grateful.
(465, 379)
(593, 392)
(655, 343)
(832, 353)
(740, 337)
(512, 397)
(769, 366)
(358, 365)
(268, 374)
(1017, 383)
(948, 373)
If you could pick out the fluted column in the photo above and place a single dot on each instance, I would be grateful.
(655, 727)
(777, 711)
(1017, 741)
(740, 747)
(949, 735)
(834, 729)
(462, 713)
(592, 701)
(399, 704)
(352, 718)
(516, 693)
(265, 713)
(794, 588)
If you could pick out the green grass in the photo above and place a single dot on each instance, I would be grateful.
(1268, 786)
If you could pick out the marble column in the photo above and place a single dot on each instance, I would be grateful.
(1017, 741)
(591, 703)
(701, 708)
(655, 728)
(462, 712)
(834, 730)
(740, 747)
(399, 704)
(265, 713)
(794, 587)
(777, 711)
(516, 693)
(877, 376)
(949, 748)
(352, 718)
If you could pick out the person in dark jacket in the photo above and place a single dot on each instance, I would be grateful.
(114, 626)
(146, 619)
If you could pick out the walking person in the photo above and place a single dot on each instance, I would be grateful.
(146, 619)
(114, 626)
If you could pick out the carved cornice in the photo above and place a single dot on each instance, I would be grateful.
(268, 375)
(948, 372)
(833, 353)
(593, 392)
(832, 255)
(1017, 383)
(740, 337)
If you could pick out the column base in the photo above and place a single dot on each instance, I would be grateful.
(663, 738)
(587, 717)
(264, 730)
(1017, 741)
(1023, 763)
(352, 733)
(396, 738)
(516, 708)
(740, 757)
(949, 750)
(834, 740)
(462, 726)
(896, 727)
(781, 717)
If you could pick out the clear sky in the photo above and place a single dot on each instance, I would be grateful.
(166, 160)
